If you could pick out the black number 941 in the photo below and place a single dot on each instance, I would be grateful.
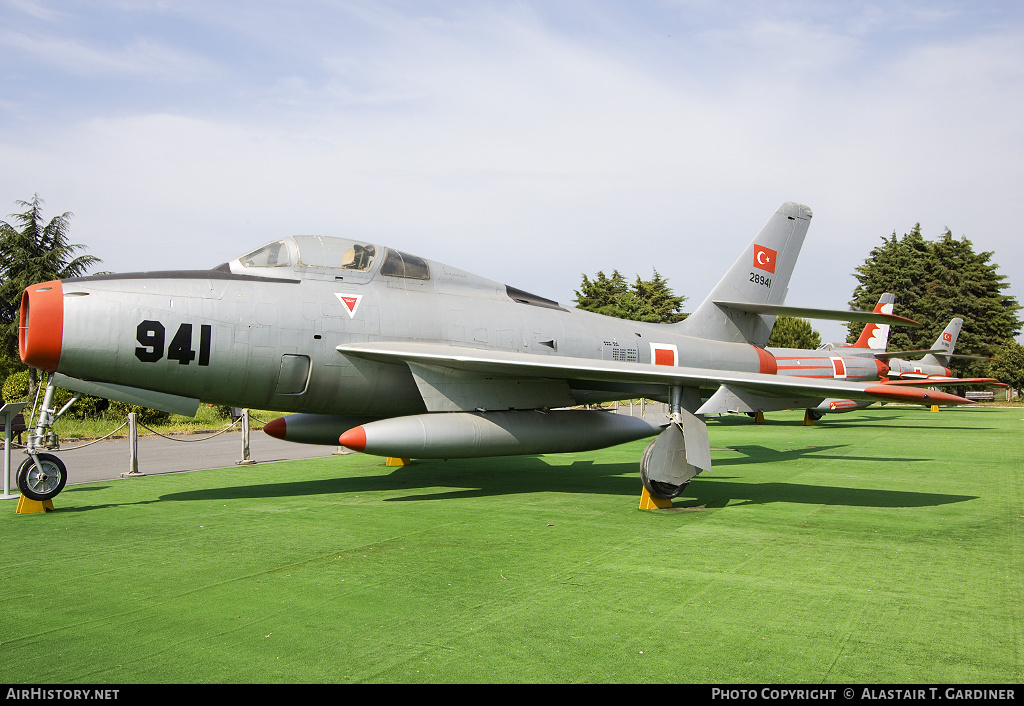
(152, 335)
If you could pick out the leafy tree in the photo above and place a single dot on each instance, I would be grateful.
(1009, 365)
(32, 250)
(646, 300)
(793, 332)
(896, 266)
(934, 282)
(963, 283)
(120, 410)
(16, 388)
(601, 294)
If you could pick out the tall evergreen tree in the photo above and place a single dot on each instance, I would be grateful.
(793, 332)
(896, 266)
(646, 300)
(1009, 365)
(602, 294)
(934, 282)
(660, 302)
(32, 250)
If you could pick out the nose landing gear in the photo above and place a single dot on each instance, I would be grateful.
(42, 476)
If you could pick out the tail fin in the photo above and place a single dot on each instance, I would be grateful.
(946, 341)
(876, 336)
(760, 275)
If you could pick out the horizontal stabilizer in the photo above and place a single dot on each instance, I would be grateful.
(830, 314)
(889, 355)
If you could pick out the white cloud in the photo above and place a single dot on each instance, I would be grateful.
(138, 58)
(527, 147)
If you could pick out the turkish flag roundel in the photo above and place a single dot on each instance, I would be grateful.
(764, 258)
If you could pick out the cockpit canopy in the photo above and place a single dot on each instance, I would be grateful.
(301, 255)
(312, 251)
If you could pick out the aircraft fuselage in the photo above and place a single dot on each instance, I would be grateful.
(270, 342)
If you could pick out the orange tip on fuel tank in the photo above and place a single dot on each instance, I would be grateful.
(354, 438)
(277, 428)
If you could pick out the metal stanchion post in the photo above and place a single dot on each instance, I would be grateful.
(246, 461)
(9, 411)
(133, 447)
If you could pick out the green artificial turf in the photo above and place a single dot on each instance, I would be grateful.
(882, 546)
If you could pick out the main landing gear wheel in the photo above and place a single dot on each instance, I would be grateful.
(657, 489)
(42, 482)
(815, 414)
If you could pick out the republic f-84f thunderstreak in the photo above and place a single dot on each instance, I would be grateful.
(391, 354)
(862, 361)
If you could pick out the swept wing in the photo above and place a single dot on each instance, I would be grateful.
(461, 377)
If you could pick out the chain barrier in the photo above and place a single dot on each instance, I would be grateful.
(15, 445)
(133, 423)
(95, 441)
(192, 441)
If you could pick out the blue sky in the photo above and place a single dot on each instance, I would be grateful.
(529, 142)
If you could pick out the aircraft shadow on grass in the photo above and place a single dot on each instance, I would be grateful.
(854, 424)
(836, 421)
(474, 478)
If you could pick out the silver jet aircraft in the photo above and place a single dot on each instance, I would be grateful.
(862, 361)
(839, 361)
(934, 362)
(930, 369)
(395, 355)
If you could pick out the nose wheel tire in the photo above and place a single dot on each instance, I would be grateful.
(43, 481)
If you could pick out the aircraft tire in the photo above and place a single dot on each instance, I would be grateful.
(815, 414)
(36, 485)
(657, 489)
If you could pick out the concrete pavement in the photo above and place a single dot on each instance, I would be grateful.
(106, 460)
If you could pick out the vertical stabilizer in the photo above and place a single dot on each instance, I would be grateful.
(947, 342)
(876, 336)
(759, 276)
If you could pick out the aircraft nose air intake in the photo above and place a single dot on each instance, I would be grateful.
(41, 325)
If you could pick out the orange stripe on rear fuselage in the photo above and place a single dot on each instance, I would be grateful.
(768, 366)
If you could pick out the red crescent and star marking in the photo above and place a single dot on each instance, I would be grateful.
(764, 258)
